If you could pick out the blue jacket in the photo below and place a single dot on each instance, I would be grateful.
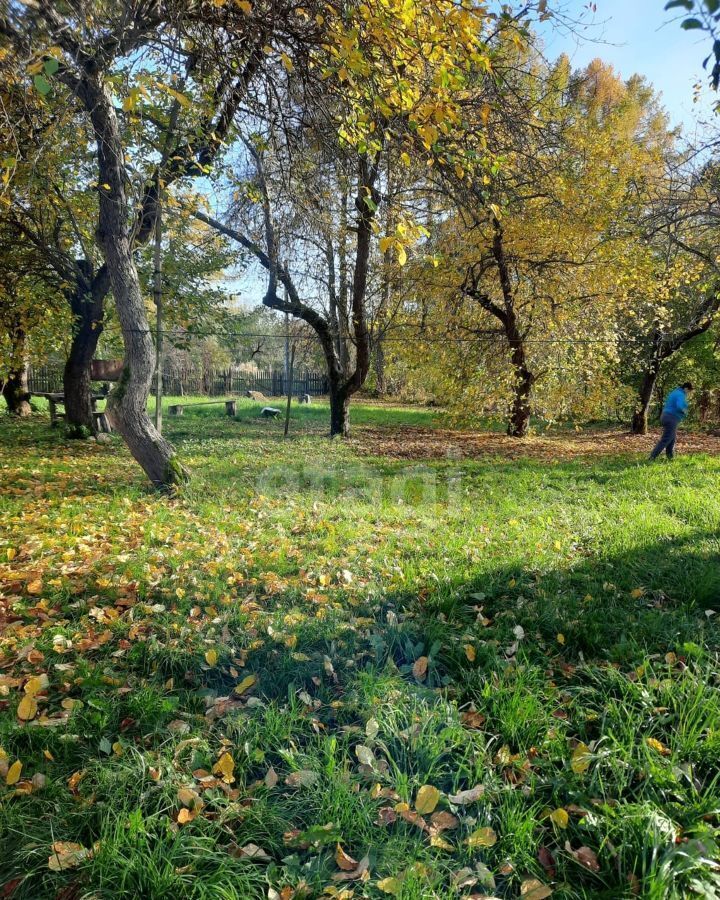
(676, 404)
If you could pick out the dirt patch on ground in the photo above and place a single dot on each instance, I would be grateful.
(409, 442)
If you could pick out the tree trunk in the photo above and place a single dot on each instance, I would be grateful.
(87, 305)
(127, 403)
(640, 416)
(15, 391)
(520, 414)
(380, 383)
(339, 407)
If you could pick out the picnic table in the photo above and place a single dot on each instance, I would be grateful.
(56, 399)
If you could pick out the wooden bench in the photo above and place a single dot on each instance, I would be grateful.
(58, 399)
(177, 409)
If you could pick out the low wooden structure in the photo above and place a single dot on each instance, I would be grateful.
(56, 399)
(177, 409)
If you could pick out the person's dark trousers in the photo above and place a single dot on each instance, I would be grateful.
(667, 439)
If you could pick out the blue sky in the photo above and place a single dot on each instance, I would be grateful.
(639, 36)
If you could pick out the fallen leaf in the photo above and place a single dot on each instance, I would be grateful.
(658, 746)
(27, 708)
(419, 670)
(66, 855)
(560, 818)
(482, 837)
(225, 766)
(464, 798)
(443, 821)
(470, 652)
(362, 867)
(13, 773)
(365, 755)
(271, 778)
(211, 657)
(532, 889)
(427, 799)
(245, 684)
(252, 851)
(472, 719)
(301, 778)
(585, 856)
(344, 861)
(547, 861)
(392, 885)
(580, 759)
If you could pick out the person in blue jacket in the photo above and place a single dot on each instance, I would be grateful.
(674, 411)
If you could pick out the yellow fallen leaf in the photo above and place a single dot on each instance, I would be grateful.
(470, 652)
(560, 638)
(245, 684)
(38, 683)
(580, 759)
(440, 843)
(211, 657)
(27, 708)
(186, 815)
(11, 553)
(427, 799)
(225, 766)
(13, 775)
(392, 885)
(35, 587)
(658, 746)
(482, 837)
(560, 818)
(637, 592)
(287, 62)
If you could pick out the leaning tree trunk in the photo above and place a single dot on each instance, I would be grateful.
(15, 391)
(640, 416)
(127, 403)
(87, 305)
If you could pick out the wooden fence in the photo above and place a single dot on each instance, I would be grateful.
(211, 383)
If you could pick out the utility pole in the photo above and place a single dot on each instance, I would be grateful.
(157, 296)
(288, 386)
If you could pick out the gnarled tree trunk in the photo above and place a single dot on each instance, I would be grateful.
(519, 422)
(15, 390)
(127, 403)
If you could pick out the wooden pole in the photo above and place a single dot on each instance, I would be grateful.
(157, 295)
(289, 390)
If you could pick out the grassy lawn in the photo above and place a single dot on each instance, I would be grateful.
(320, 671)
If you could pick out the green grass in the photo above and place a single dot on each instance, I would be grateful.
(566, 602)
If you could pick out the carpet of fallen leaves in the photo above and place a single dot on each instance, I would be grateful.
(158, 639)
(411, 442)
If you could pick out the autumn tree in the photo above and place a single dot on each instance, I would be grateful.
(210, 51)
(530, 250)
(668, 271)
(31, 319)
